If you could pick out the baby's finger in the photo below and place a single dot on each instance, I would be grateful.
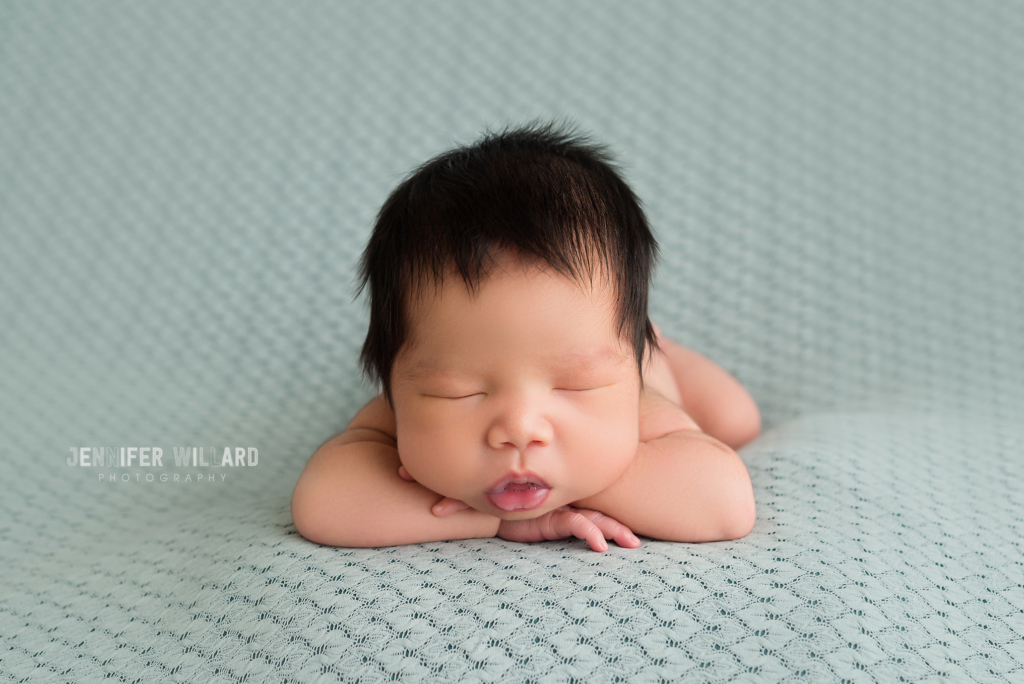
(582, 527)
(404, 474)
(612, 529)
(447, 506)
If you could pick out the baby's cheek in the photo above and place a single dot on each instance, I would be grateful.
(430, 456)
(603, 453)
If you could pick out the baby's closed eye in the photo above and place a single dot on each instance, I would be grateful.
(581, 389)
(568, 387)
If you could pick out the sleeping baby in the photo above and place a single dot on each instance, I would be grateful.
(525, 393)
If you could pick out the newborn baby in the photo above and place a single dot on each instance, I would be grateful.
(526, 394)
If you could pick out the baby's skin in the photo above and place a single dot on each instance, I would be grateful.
(670, 361)
(526, 378)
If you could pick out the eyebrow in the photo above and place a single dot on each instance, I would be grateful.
(574, 360)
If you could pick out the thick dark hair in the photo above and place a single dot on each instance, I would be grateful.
(538, 192)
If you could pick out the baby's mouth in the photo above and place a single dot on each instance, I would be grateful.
(518, 493)
(518, 482)
(519, 487)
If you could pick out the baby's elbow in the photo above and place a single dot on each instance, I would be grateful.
(302, 517)
(742, 525)
(308, 514)
(743, 514)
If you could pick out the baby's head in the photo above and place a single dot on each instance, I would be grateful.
(508, 318)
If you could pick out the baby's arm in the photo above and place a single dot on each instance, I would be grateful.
(683, 485)
(354, 492)
(350, 494)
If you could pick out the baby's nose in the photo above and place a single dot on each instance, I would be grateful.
(520, 428)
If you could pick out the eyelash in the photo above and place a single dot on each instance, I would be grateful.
(561, 389)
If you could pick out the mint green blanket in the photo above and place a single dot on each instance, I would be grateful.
(838, 191)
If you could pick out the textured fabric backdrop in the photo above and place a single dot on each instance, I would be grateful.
(185, 188)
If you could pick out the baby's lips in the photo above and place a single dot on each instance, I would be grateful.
(524, 500)
(531, 478)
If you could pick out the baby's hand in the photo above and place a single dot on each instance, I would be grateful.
(560, 523)
(567, 521)
(443, 507)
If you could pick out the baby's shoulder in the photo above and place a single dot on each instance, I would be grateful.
(659, 416)
(376, 415)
